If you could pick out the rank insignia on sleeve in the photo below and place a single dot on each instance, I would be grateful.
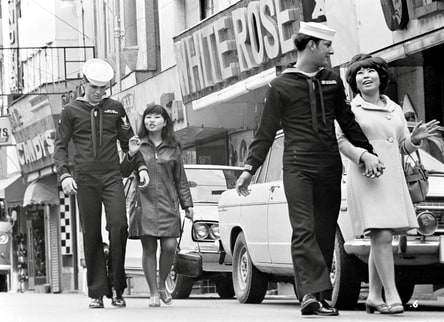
(125, 123)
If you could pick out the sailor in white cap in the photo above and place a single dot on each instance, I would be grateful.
(95, 124)
(305, 100)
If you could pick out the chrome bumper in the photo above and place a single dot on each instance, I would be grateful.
(431, 247)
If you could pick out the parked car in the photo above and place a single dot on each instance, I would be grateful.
(207, 182)
(256, 231)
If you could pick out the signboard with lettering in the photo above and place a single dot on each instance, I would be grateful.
(33, 127)
(240, 41)
(5, 131)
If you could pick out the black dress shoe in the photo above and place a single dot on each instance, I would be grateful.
(326, 310)
(117, 299)
(310, 304)
(96, 303)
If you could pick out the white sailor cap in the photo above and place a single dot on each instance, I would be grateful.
(98, 72)
(317, 30)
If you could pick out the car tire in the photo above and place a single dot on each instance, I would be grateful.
(178, 285)
(345, 275)
(250, 285)
(224, 286)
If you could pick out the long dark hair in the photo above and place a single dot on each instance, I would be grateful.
(167, 131)
(367, 61)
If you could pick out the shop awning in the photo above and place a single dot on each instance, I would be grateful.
(42, 191)
(12, 189)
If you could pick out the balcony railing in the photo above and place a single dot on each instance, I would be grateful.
(28, 69)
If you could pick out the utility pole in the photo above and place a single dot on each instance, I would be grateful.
(117, 37)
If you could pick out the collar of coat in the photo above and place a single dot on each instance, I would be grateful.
(147, 141)
(389, 106)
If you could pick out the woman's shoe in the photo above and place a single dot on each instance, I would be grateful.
(165, 297)
(381, 308)
(396, 308)
(154, 301)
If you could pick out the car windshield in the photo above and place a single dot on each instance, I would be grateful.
(207, 185)
(432, 154)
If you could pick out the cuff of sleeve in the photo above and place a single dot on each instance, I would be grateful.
(409, 146)
(142, 168)
(250, 169)
(356, 158)
(64, 176)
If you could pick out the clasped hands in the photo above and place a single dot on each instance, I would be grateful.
(374, 168)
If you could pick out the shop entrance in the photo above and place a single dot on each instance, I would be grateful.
(35, 227)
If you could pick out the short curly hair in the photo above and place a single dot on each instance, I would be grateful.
(367, 61)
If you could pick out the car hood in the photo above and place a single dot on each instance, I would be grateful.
(205, 211)
(436, 185)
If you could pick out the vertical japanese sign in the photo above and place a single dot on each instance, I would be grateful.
(14, 75)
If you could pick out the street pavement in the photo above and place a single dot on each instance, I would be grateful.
(67, 307)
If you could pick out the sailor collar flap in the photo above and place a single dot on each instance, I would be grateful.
(317, 75)
(358, 101)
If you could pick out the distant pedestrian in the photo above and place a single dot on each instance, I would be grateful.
(305, 100)
(95, 124)
(159, 218)
(380, 208)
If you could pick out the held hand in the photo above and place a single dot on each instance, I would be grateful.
(189, 213)
(374, 168)
(144, 179)
(422, 131)
(242, 184)
(134, 145)
(69, 186)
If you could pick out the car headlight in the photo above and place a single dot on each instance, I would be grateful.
(4, 238)
(214, 231)
(200, 231)
(427, 222)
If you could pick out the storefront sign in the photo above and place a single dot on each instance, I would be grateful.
(5, 131)
(33, 127)
(240, 41)
(36, 148)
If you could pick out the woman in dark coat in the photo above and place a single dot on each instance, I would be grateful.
(159, 218)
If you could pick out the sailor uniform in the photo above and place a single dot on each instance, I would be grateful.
(306, 108)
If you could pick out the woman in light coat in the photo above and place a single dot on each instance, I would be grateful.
(168, 189)
(380, 206)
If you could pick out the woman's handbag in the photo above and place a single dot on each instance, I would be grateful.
(417, 178)
(187, 263)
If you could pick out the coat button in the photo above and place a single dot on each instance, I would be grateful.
(390, 140)
(388, 116)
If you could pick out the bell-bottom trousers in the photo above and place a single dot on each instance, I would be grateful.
(95, 188)
(312, 186)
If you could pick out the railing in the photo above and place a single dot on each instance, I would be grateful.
(28, 69)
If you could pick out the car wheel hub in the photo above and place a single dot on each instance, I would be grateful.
(243, 269)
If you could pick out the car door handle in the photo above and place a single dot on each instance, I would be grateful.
(273, 188)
